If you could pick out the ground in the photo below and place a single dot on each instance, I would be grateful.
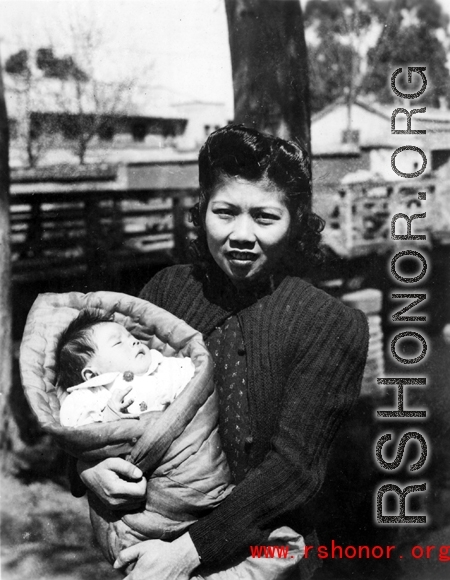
(46, 535)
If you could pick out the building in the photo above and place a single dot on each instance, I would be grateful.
(50, 123)
(202, 119)
(365, 145)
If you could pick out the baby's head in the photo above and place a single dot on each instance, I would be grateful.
(94, 344)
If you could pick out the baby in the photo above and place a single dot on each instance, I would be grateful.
(105, 374)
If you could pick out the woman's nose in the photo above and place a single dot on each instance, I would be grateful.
(242, 231)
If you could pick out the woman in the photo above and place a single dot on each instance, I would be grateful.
(288, 358)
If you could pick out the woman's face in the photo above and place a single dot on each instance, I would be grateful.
(247, 225)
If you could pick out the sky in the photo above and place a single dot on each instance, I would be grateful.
(179, 44)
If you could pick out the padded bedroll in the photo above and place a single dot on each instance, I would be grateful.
(178, 449)
(145, 439)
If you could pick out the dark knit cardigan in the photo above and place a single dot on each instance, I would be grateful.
(305, 359)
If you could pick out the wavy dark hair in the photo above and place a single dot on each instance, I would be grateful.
(238, 151)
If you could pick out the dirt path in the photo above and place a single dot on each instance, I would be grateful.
(46, 535)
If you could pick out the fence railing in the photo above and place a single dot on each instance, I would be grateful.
(67, 232)
(358, 215)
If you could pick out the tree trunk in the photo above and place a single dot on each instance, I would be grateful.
(270, 68)
(5, 262)
(26, 450)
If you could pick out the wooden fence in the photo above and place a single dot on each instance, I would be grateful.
(87, 229)
(66, 233)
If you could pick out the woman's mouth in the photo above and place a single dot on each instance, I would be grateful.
(238, 256)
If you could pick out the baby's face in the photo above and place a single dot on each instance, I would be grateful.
(117, 350)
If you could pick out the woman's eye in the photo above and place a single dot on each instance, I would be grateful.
(223, 212)
(266, 218)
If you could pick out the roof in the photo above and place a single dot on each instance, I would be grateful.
(372, 122)
(65, 173)
(198, 102)
(57, 96)
(385, 111)
(343, 101)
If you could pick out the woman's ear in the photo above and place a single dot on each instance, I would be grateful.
(87, 373)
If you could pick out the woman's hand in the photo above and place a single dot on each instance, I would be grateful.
(158, 560)
(116, 482)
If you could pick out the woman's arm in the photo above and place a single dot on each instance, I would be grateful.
(317, 397)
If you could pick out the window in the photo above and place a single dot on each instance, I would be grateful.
(106, 132)
(35, 130)
(13, 128)
(351, 136)
(71, 126)
(139, 132)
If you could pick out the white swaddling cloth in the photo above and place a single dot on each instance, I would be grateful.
(162, 383)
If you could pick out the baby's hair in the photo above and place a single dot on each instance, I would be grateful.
(75, 347)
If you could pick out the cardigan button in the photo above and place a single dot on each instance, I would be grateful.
(134, 440)
(248, 442)
(241, 351)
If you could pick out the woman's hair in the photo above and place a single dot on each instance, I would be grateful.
(75, 347)
(237, 151)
